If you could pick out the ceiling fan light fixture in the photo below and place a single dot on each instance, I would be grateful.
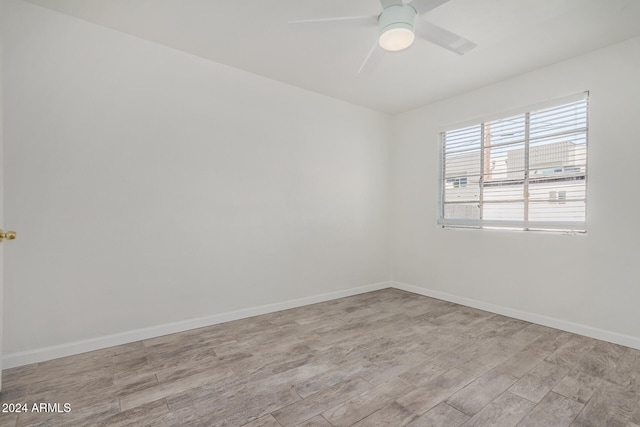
(396, 27)
(398, 38)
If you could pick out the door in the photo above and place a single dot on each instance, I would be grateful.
(8, 235)
(4, 236)
(1, 210)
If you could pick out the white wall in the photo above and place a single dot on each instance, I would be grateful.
(149, 186)
(591, 280)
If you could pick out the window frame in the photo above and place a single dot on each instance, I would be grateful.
(567, 227)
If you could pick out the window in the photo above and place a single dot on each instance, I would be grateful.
(525, 172)
(457, 182)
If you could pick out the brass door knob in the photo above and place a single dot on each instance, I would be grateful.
(9, 235)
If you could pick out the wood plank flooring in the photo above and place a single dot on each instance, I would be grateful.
(385, 358)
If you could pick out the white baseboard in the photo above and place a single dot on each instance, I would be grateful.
(47, 353)
(563, 325)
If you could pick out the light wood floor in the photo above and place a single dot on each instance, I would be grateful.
(385, 358)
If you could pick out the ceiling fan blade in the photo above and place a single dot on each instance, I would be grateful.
(372, 60)
(443, 38)
(344, 21)
(424, 6)
(387, 3)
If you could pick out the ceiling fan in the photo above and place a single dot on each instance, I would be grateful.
(398, 28)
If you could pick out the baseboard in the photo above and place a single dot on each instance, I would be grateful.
(47, 353)
(563, 325)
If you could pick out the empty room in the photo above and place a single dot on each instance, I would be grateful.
(271, 213)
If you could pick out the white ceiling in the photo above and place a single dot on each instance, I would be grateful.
(513, 36)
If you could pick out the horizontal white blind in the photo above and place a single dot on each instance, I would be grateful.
(527, 171)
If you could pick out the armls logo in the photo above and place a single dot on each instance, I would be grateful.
(59, 408)
(42, 407)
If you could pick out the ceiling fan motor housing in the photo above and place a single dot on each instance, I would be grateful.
(396, 25)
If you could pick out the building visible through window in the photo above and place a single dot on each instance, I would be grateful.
(526, 171)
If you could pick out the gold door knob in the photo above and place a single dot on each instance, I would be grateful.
(9, 235)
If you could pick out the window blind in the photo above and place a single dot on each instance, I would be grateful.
(526, 171)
